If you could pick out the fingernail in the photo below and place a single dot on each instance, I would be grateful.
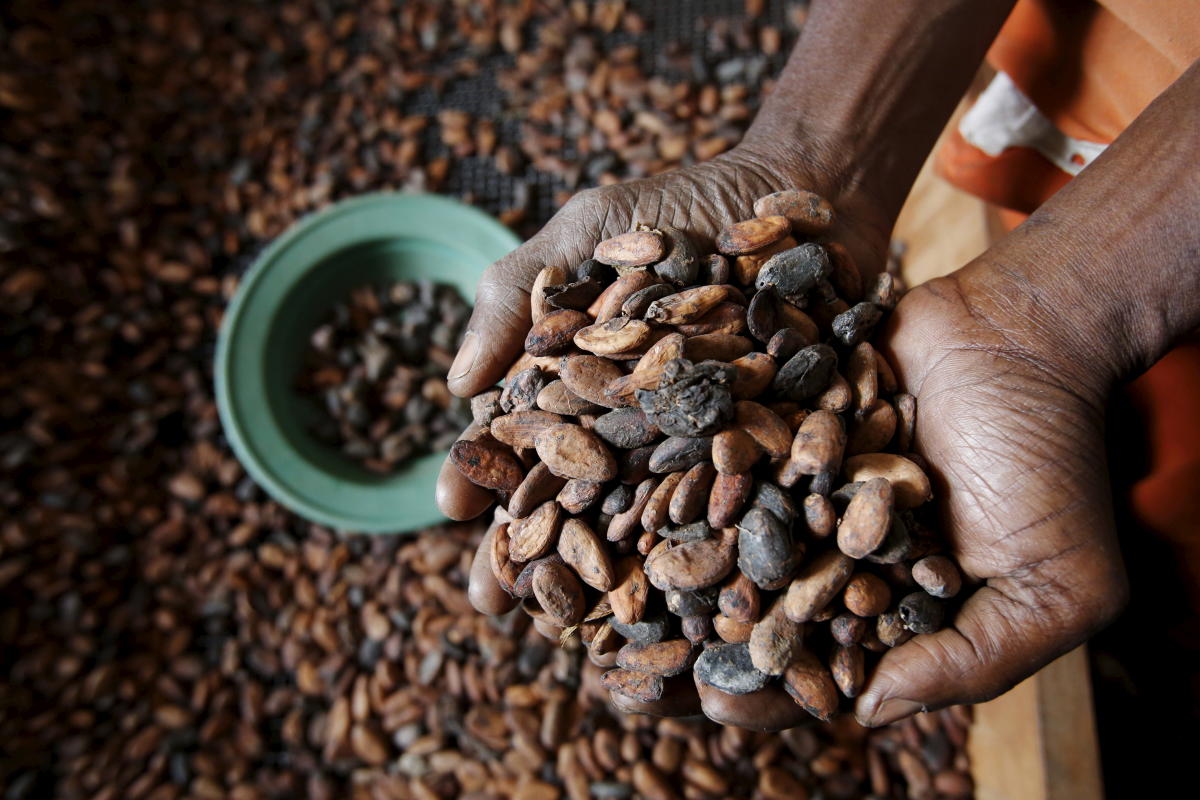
(888, 711)
(465, 360)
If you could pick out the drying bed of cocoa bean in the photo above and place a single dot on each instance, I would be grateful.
(166, 631)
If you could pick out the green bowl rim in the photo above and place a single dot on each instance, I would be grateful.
(255, 464)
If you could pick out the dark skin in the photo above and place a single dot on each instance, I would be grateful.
(1011, 358)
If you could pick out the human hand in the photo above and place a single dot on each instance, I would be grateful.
(1011, 426)
(700, 199)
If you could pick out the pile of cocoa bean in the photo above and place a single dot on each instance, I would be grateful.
(705, 465)
(377, 367)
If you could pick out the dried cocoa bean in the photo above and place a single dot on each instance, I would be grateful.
(533, 536)
(583, 550)
(521, 390)
(867, 519)
(691, 399)
(866, 595)
(576, 495)
(729, 668)
(650, 628)
(690, 498)
(809, 213)
(637, 685)
(571, 451)
(746, 267)
(795, 272)
(732, 630)
(727, 318)
(558, 593)
(666, 658)
(734, 451)
(755, 371)
(558, 399)
(685, 603)
(716, 347)
(739, 599)
(937, 575)
(485, 407)
(618, 499)
(552, 335)
(627, 428)
(520, 428)
(819, 515)
(729, 494)
(849, 669)
(819, 444)
(638, 303)
(909, 482)
(687, 305)
(680, 453)
(856, 324)
(608, 304)
(922, 613)
(809, 683)
(806, 374)
(752, 234)
(657, 509)
(681, 264)
(548, 276)
(613, 336)
(693, 565)
(848, 629)
(872, 432)
(491, 466)
(627, 523)
(817, 584)
(765, 548)
(691, 532)
(776, 641)
(633, 249)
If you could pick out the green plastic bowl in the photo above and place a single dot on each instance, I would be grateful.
(293, 284)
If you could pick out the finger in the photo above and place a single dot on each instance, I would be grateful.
(498, 325)
(1002, 635)
(483, 591)
(679, 699)
(768, 709)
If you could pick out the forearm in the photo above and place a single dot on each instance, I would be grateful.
(1106, 275)
(868, 88)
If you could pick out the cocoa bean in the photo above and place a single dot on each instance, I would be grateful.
(732, 630)
(867, 519)
(889, 628)
(922, 613)
(897, 545)
(521, 390)
(629, 592)
(938, 576)
(734, 451)
(637, 685)
(770, 497)
(693, 565)
(729, 494)
(576, 295)
(547, 276)
(806, 374)
(681, 264)
(558, 593)
(666, 658)
(504, 568)
(776, 641)
(882, 292)
(819, 515)
(837, 397)
(627, 428)
(746, 267)
(848, 668)
(729, 668)
(856, 324)
(765, 551)
(866, 595)
(618, 499)
(678, 453)
(873, 431)
(846, 278)
(739, 599)
(725, 318)
(656, 512)
(538, 486)
(523, 585)
(577, 495)
(716, 347)
(863, 376)
(796, 272)
(809, 213)
(608, 304)
(785, 343)
(811, 686)
(638, 303)
(688, 603)
(520, 428)
(696, 629)
(909, 482)
(752, 234)
(552, 335)
(574, 452)
(848, 629)
(692, 532)
(613, 336)
(906, 421)
(633, 249)
(690, 498)
(583, 550)
(485, 407)
(650, 628)
(691, 399)
(755, 371)
(488, 465)
(558, 399)
(817, 584)
(686, 306)
(533, 536)
(763, 426)
(819, 444)
(624, 525)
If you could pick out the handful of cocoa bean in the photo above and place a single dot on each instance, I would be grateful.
(705, 465)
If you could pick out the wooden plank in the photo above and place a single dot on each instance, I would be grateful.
(1038, 741)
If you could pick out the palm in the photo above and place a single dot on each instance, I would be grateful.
(1017, 457)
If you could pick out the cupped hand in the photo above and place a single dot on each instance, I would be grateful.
(700, 200)
(1010, 422)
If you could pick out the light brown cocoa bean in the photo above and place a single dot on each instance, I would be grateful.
(752, 234)
(556, 398)
(553, 334)
(732, 630)
(716, 347)
(540, 485)
(754, 374)
(739, 599)
(764, 426)
(574, 452)
(636, 685)
(587, 377)
(630, 590)
(776, 640)
(576, 495)
(615, 336)
(867, 520)
(847, 666)
(548, 276)
(819, 515)
(608, 304)
(690, 498)
(666, 658)
(657, 510)
(627, 523)
(558, 592)
(525, 361)
(866, 595)
(520, 428)
(693, 565)
(848, 629)
(533, 536)
(837, 397)
(487, 464)
(872, 432)
(728, 495)
(633, 249)
(734, 451)
(606, 640)
(937, 575)
(728, 318)
(887, 376)
(909, 482)
(503, 567)
(788, 316)
(890, 630)
(808, 212)
(809, 683)
(846, 278)
(817, 584)
(687, 305)
(819, 444)
(863, 377)
(584, 551)
(648, 782)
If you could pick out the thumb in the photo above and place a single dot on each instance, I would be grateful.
(496, 331)
(1001, 636)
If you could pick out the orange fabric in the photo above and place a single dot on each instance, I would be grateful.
(1091, 68)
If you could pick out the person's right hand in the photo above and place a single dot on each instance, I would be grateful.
(699, 200)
